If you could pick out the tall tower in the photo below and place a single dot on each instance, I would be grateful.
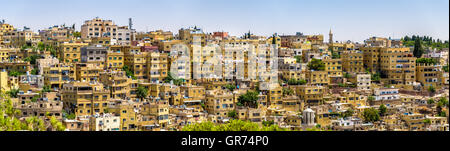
(130, 23)
(331, 37)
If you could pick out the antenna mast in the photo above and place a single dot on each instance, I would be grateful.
(130, 21)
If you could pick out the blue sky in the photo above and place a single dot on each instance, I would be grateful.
(349, 19)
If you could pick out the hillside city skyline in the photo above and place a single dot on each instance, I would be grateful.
(224, 66)
(403, 18)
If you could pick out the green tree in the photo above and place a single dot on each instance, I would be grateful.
(430, 101)
(34, 71)
(142, 92)
(371, 115)
(296, 82)
(232, 125)
(232, 114)
(70, 116)
(382, 109)
(176, 81)
(57, 125)
(268, 123)
(249, 99)
(15, 73)
(41, 46)
(371, 98)
(288, 92)
(442, 114)
(347, 75)
(46, 88)
(230, 87)
(128, 71)
(348, 113)
(35, 124)
(317, 65)
(53, 52)
(418, 49)
(35, 98)
(32, 59)
(376, 77)
(431, 89)
(443, 101)
(298, 59)
(77, 34)
(427, 121)
(13, 93)
(335, 55)
(427, 60)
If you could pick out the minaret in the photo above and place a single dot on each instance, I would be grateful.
(331, 37)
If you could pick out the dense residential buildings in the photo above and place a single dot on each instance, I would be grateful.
(110, 77)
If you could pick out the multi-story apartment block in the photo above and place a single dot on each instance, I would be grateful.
(293, 41)
(87, 72)
(387, 96)
(57, 33)
(58, 74)
(79, 124)
(193, 96)
(318, 78)
(413, 122)
(352, 62)
(4, 81)
(378, 42)
(352, 98)
(334, 68)
(251, 114)
(19, 66)
(128, 112)
(41, 109)
(371, 58)
(71, 52)
(274, 95)
(340, 47)
(115, 60)
(312, 95)
(84, 99)
(398, 65)
(98, 27)
(289, 68)
(124, 36)
(189, 35)
(159, 109)
(429, 75)
(119, 84)
(104, 122)
(363, 81)
(46, 62)
(219, 102)
(157, 66)
(36, 81)
(3, 29)
(94, 54)
(292, 104)
(18, 38)
(155, 36)
(136, 61)
(4, 54)
(27, 97)
(166, 91)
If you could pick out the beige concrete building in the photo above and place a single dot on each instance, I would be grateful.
(98, 27)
